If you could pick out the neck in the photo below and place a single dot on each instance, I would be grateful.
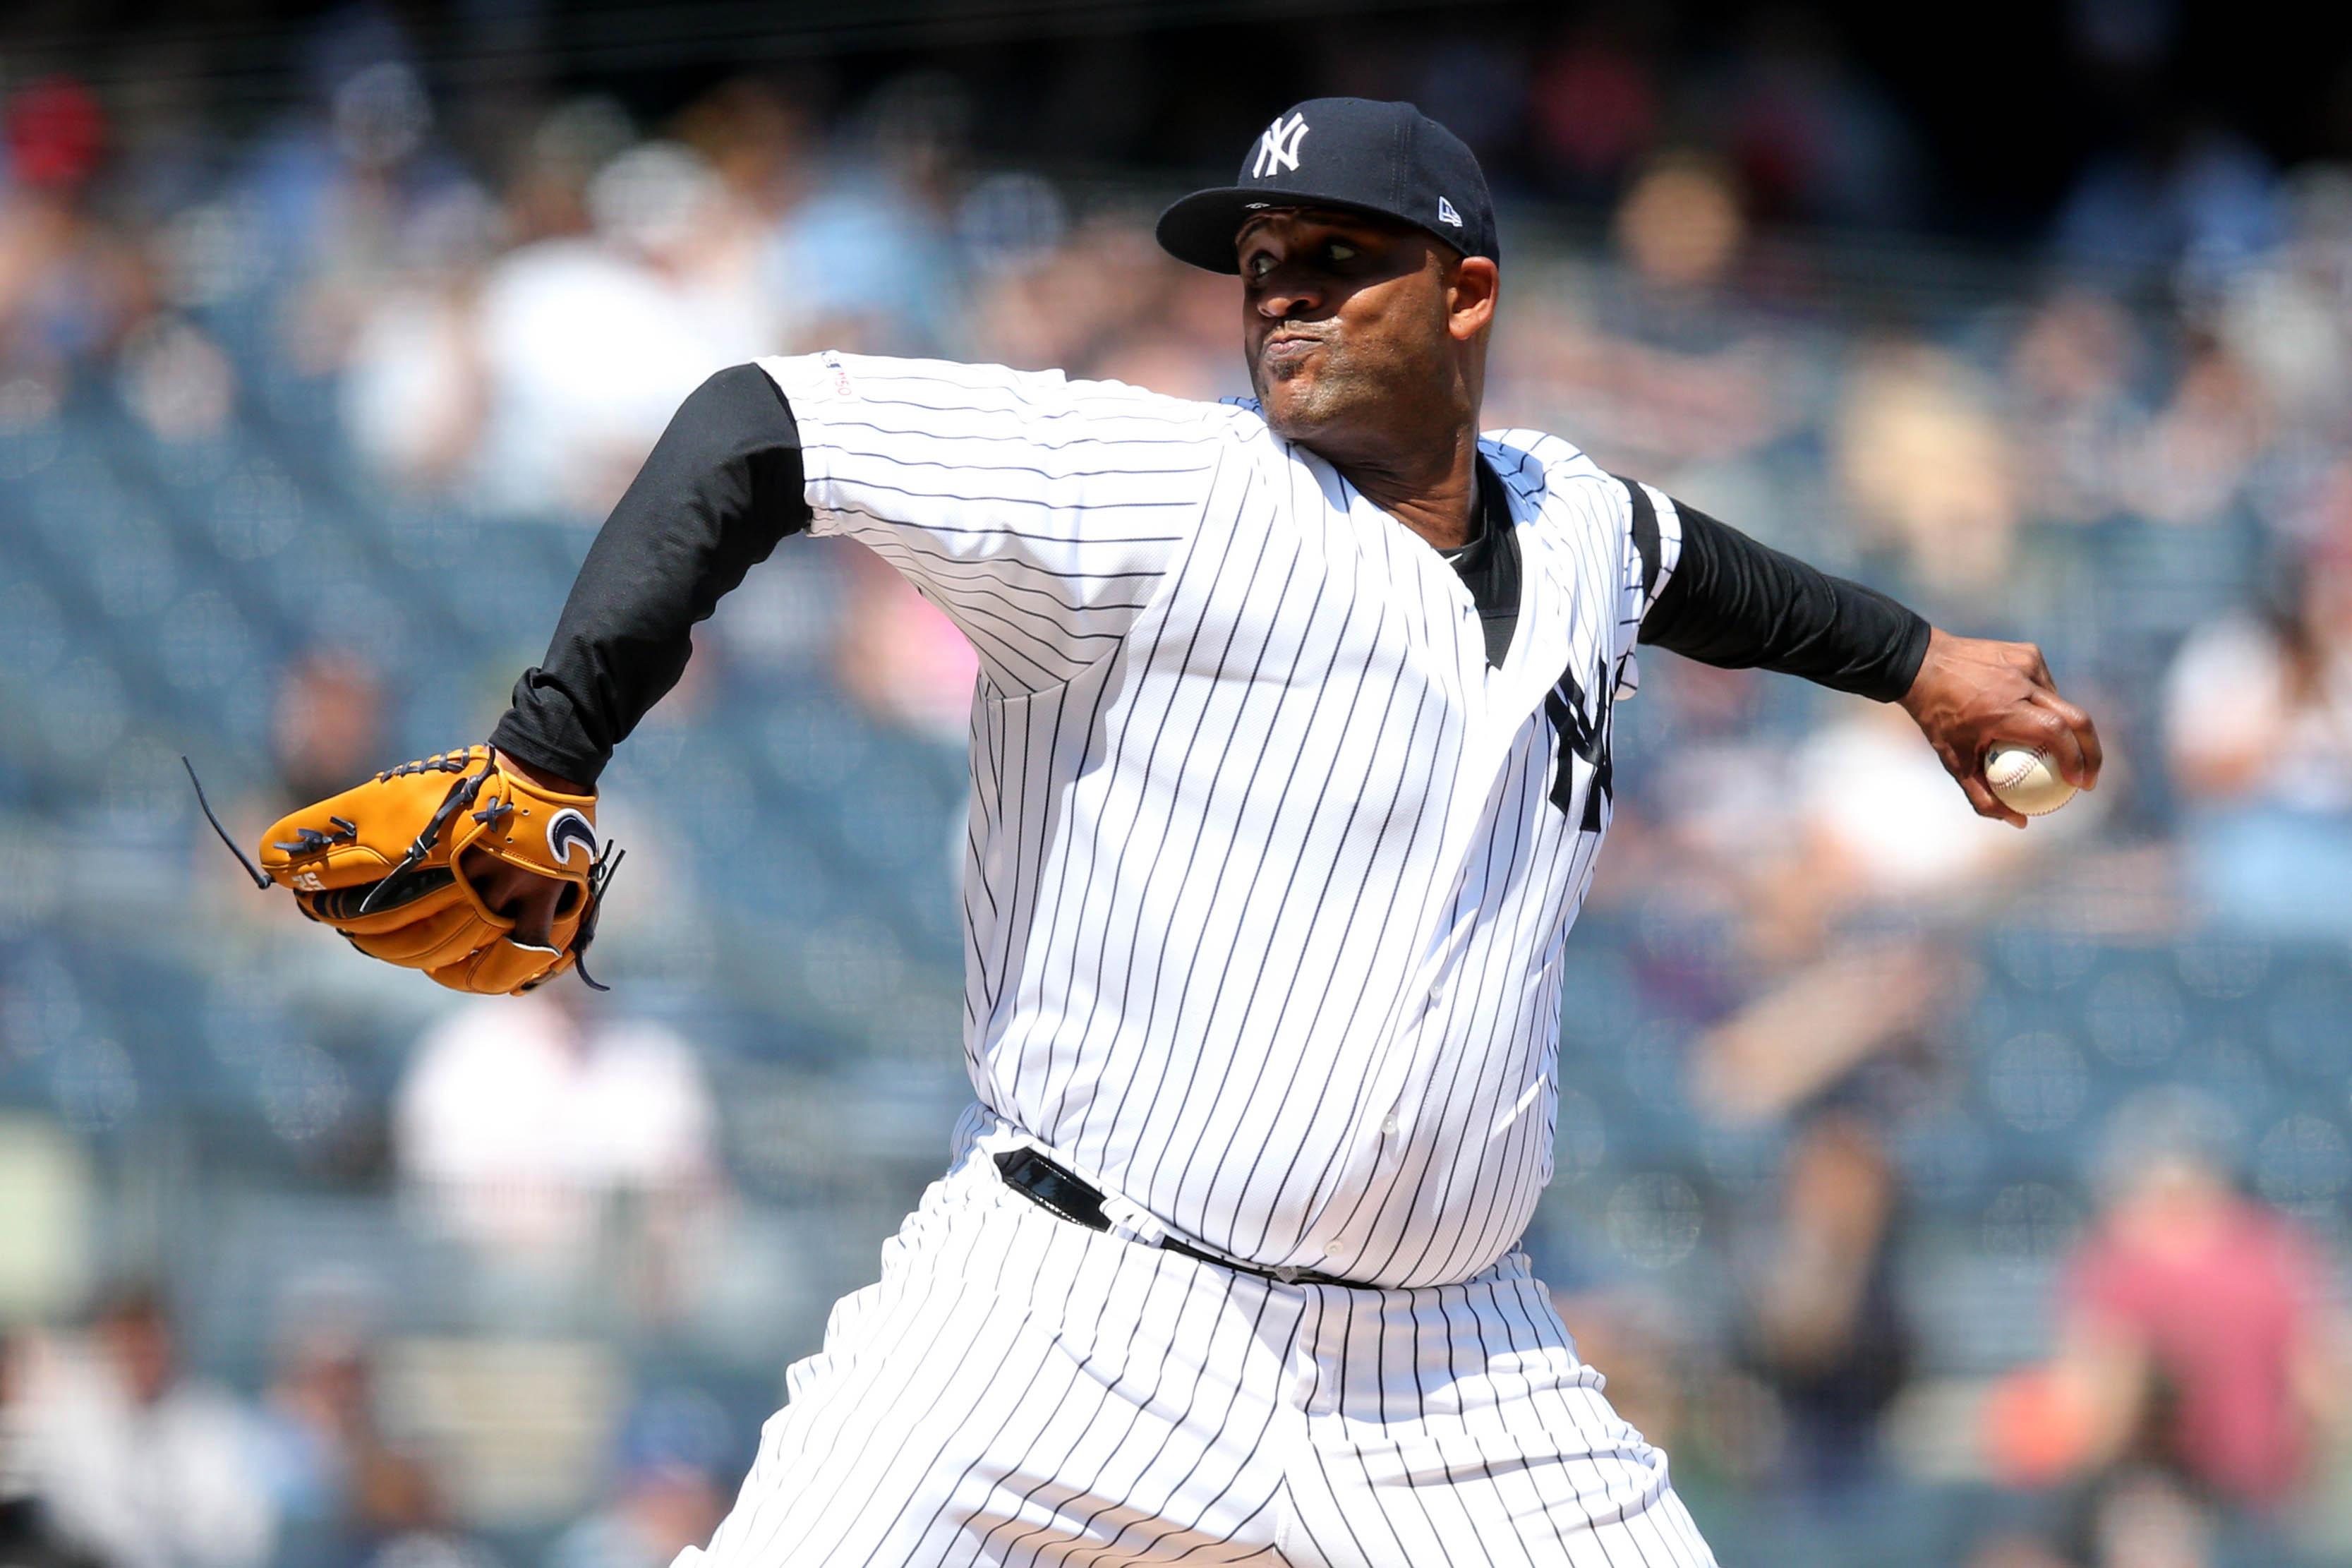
(1432, 491)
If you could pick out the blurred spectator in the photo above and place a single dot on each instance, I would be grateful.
(759, 137)
(538, 379)
(545, 193)
(346, 1492)
(2258, 721)
(588, 344)
(348, 192)
(2013, 1549)
(412, 397)
(900, 658)
(1596, 103)
(1927, 471)
(1855, 831)
(666, 1493)
(2188, 190)
(2072, 375)
(147, 1465)
(1656, 359)
(2196, 1337)
(1812, 135)
(2144, 1518)
(28, 1539)
(869, 261)
(178, 382)
(538, 1129)
(70, 286)
(1824, 1329)
(1883, 824)
(371, 232)
(1475, 85)
(1680, 224)
(1105, 302)
(328, 728)
(2201, 448)
(2286, 319)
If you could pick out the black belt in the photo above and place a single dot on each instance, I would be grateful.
(1059, 1189)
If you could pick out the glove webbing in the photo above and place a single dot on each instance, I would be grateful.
(461, 793)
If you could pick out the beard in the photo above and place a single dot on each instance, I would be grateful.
(1313, 391)
(1354, 403)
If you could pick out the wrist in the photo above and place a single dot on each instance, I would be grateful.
(1915, 696)
(1932, 650)
(553, 783)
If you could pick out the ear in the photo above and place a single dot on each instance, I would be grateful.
(1470, 296)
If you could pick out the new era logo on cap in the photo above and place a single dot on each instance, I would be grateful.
(1386, 159)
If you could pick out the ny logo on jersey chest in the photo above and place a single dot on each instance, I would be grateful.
(1583, 723)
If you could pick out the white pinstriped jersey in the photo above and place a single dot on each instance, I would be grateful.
(1269, 871)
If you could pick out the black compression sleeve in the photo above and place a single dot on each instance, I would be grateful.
(722, 486)
(1737, 603)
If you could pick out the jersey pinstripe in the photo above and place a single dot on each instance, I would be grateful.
(1269, 869)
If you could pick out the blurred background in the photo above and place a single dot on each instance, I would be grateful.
(1936, 1193)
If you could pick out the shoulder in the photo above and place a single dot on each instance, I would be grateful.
(949, 386)
(1548, 476)
(1536, 450)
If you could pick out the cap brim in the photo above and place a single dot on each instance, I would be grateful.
(1200, 229)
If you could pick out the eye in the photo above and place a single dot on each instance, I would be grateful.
(1258, 264)
(1339, 250)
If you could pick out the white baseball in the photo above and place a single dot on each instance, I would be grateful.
(2024, 779)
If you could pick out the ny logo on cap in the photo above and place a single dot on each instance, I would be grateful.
(1445, 213)
(1278, 149)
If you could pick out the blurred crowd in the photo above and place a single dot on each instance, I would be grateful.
(1823, 1009)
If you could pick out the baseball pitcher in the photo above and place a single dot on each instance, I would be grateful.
(1290, 757)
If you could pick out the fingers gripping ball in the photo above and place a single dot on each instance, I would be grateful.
(2023, 779)
(381, 863)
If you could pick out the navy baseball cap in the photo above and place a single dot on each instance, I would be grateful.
(1352, 154)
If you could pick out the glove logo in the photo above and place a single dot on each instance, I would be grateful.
(566, 828)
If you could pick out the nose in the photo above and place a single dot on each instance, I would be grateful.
(1285, 291)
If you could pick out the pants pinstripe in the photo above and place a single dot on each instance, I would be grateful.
(1017, 1390)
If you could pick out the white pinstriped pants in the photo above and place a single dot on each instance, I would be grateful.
(1019, 1390)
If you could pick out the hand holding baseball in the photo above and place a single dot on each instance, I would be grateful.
(2024, 779)
(1973, 696)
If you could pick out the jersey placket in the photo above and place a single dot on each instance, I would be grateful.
(1501, 703)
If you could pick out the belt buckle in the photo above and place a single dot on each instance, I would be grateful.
(1286, 1274)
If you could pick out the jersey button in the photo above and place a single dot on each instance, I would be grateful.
(1389, 1125)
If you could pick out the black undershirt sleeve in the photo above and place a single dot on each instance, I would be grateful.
(724, 484)
(721, 487)
(1738, 605)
